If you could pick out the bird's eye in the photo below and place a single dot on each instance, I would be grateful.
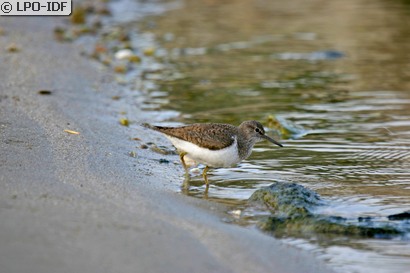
(258, 130)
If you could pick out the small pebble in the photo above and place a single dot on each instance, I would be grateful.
(45, 92)
(149, 51)
(124, 122)
(195, 171)
(156, 149)
(78, 15)
(13, 48)
(123, 54)
(120, 69)
(236, 212)
(144, 146)
(134, 59)
(99, 48)
(163, 160)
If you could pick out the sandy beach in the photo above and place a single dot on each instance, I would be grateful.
(80, 203)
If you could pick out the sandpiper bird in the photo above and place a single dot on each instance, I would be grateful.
(215, 144)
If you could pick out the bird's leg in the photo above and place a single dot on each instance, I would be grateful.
(205, 177)
(186, 184)
(181, 156)
(206, 191)
(206, 182)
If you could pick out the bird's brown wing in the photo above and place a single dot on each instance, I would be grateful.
(213, 136)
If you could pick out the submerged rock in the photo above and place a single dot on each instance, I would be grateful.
(306, 227)
(286, 129)
(286, 200)
(400, 216)
(292, 209)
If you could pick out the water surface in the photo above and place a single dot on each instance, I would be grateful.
(330, 78)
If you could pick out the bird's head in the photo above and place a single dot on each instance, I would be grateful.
(254, 131)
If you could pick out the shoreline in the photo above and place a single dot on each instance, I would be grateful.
(73, 203)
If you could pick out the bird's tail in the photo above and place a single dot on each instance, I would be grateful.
(149, 126)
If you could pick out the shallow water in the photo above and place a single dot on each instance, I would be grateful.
(336, 74)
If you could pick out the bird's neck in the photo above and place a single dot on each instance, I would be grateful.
(245, 146)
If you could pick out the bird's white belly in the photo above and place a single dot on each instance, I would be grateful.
(226, 157)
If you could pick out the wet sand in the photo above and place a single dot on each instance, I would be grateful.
(80, 203)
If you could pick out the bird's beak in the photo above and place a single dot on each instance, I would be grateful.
(271, 140)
